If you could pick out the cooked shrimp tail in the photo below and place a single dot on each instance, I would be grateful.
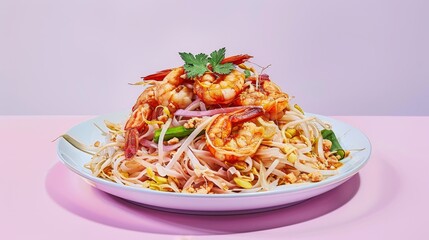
(159, 76)
(131, 142)
(237, 59)
(246, 114)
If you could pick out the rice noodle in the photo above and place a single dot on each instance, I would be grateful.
(194, 160)
(166, 172)
(208, 157)
(161, 140)
(188, 141)
(198, 166)
(304, 168)
(320, 148)
(272, 167)
(290, 151)
(305, 158)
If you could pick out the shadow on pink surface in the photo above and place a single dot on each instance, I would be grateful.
(73, 194)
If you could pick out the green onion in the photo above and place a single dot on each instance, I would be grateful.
(336, 147)
(247, 73)
(179, 132)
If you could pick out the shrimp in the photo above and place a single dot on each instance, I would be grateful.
(131, 142)
(136, 124)
(219, 90)
(232, 137)
(142, 109)
(169, 93)
(268, 95)
(168, 90)
(212, 88)
(237, 59)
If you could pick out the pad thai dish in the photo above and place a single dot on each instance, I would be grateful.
(214, 125)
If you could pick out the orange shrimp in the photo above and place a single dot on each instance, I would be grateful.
(268, 95)
(169, 90)
(142, 109)
(233, 137)
(169, 93)
(213, 88)
(223, 89)
(136, 124)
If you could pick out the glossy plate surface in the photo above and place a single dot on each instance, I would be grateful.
(86, 132)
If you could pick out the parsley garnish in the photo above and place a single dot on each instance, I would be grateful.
(196, 66)
(216, 58)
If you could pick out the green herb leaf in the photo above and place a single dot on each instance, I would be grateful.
(335, 147)
(201, 59)
(216, 57)
(247, 73)
(179, 132)
(215, 60)
(187, 57)
(194, 65)
(223, 68)
(194, 70)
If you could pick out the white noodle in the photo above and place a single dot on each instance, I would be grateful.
(193, 168)
(272, 167)
(161, 140)
(188, 141)
(162, 171)
(195, 162)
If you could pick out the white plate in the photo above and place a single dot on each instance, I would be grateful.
(86, 132)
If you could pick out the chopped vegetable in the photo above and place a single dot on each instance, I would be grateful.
(179, 132)
(247, 73)
(336, 147)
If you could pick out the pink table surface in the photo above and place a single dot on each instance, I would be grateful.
(42, 199)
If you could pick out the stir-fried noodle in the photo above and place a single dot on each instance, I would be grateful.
(215, 132)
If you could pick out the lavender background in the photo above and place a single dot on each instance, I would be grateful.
(336, 57)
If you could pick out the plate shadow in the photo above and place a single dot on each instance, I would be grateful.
(71, 193)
